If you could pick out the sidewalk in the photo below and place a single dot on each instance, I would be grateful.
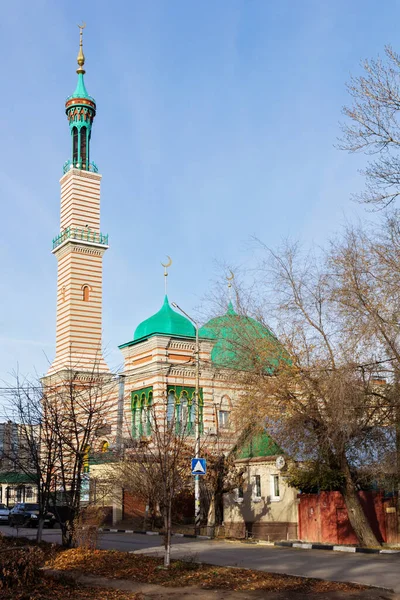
(143, 532)
(158, 592)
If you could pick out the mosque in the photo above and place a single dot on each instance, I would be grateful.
(160, 360)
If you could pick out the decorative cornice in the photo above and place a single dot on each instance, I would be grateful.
(181, 346)
(65, 375)
(80, 173)
(79, 102)
(82, 246)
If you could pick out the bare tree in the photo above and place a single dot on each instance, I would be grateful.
(35, 453)
(314, 389)
(374, 127)
(58, 421)
(222, 476)
(156, 466)
(78, 404)
(366, 288)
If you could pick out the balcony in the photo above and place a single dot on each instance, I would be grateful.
(84, 235)
(71, 165)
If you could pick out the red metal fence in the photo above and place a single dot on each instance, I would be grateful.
(323, 517)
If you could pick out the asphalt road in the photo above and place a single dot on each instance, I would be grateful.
(370, 569)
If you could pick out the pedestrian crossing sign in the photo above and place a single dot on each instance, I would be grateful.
(199, 466)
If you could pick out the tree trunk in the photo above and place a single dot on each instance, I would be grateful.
(357, 518)
(67, 534)
(219, 507)
(39, 532)
(167, 534)
(397, 427)
(211, 517)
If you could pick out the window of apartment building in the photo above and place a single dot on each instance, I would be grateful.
(257, 487)
(275, 490)
(29, 493)
(238, 494)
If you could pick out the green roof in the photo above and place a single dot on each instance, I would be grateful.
(165, 322)
(16, 478)
(233, 334)
(80, 90)
(259, 444)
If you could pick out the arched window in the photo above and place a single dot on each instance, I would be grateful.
(135, 414)
(149, 413)
(105, 446)
(83, 146)
(85, 293)
(143, 415)
(184, 416)
(170, 407)
(74, 145)
(192, 414)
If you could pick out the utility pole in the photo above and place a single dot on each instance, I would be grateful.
(119, 445)
(197, 420)
(120, 415)
(397, 427)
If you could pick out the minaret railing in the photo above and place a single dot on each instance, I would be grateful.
(84, 234)
(69, 164)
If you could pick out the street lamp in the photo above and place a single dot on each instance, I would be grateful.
(197, 421)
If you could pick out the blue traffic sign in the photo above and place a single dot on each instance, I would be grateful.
(199, 466)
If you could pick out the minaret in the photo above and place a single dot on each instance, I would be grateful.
(80, 245)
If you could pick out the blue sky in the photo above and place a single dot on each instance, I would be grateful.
(216, 122)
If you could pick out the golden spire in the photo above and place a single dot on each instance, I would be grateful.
(81, 56)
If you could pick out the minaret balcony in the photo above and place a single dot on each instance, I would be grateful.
(84, 235)
(69, 164)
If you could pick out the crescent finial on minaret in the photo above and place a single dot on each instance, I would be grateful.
(81, 56)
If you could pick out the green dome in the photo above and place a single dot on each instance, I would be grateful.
(233, 333)
(165, 322)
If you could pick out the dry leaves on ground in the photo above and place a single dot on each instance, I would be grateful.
(49, 589)
(146, 569)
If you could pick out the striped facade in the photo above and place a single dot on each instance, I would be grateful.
(163, 362)
(80, 276)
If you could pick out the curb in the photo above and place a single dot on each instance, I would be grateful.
(185, 535)
(306, 546)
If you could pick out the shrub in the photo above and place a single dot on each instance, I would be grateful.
(19, 566)
(86, 526)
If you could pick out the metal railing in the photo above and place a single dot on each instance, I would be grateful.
(85, 234)
(69, 164)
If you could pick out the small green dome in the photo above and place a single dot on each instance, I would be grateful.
(233, 333)
(165, 322)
